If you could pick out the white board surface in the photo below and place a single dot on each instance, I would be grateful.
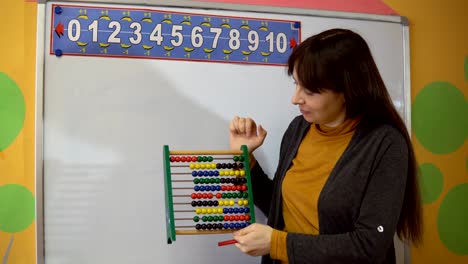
(106, 120)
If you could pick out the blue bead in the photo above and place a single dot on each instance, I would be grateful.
(232, 225)
(196, 188)
(218, 188)
(200, 173)
(206, 173)
(243, 225)
(246, 209)
(58, 52)
(226, 226)
(230, 210)
(202, 188)
(209, 188)
(58, 10)
(247, 223)
(236, 210)
(237, 225)
(225, 210)
(210, 173)
(216, 173)
(194, 173)
(241, 210)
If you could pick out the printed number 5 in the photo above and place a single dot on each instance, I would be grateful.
(178, 35)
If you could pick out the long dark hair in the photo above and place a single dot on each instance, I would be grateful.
(340, 60)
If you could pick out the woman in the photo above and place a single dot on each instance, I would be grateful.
(346, 179)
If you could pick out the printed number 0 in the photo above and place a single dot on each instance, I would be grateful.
(76, 36)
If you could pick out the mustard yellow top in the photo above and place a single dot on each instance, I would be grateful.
(318, 153)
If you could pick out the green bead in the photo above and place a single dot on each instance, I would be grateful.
(205, 159)
(241, 158)
(213, 180)
(195, 181)
(196, 218)
(246, 195)
(236, 158)
(210, 159)
(217, 180)
(199, 158)
(223, 195)
(204, 218)
(210, 218)
(229, 195)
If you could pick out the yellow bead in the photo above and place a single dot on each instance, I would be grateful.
(198, 211)
(221, 173)
(197, 166)
(220, 203)
(220, 210)
(231, 173)
(240, 202)
(242, 173)
(202, 166)
(208, 211)
(231, 203)
(213, 166)
(203, 211)
(192, 166)
(246, 202)
(236, 173)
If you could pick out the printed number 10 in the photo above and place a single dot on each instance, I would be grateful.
(281, 42)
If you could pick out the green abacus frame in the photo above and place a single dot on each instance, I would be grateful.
(170, 221)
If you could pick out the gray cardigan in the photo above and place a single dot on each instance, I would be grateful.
(359, 205)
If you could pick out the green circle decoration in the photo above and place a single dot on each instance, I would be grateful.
(12, 111)
(440, 117)
(432, 182)
(466, 68)
(452, 220)
(17, 208)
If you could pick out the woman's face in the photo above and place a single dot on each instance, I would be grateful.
(325, 108)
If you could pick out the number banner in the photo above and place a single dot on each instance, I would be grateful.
(157, 34)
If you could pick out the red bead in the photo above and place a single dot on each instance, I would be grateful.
(238, 187)
(199, 195)
(247, 217)
(223, 187)
(194, 158)
(226, 218)
(172, 159)
(177, 159)
(210, 195)
(236, 218)
(242, 217)
(218, 195)
(194, 196)
(228, 188)
(244, 188)
(183, 159)
(231, 218)
(205, 196)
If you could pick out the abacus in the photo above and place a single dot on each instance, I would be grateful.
(207, 192)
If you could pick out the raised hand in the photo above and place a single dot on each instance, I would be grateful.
(244, 131)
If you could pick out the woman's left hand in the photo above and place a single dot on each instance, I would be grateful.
(254, 240)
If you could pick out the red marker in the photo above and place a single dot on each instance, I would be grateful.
(227, 242)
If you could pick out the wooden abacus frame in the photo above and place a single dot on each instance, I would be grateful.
(170, 219)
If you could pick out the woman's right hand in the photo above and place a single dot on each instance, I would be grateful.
(244, 131)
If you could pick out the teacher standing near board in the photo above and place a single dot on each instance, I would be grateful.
(346, 181)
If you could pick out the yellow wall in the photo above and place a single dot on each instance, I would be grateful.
(439, 50)
(17, 66)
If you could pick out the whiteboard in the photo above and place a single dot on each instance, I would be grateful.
(105, 121)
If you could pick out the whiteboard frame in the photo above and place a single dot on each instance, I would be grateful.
(40, 67)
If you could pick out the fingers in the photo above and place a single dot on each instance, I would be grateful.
(243, 126)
